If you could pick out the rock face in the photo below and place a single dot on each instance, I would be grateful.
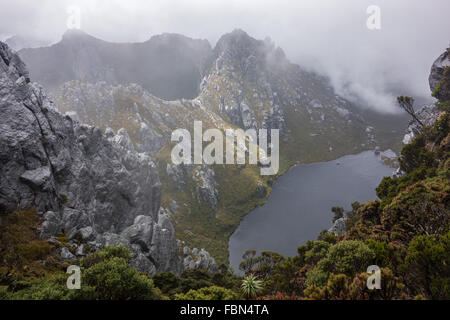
(243, 62)
(253, 85)
(84, 183)
(148, 120)
(437, 69)
(198, 259)
(338, 227)
(206, 186)
(390, 159)
(178, 174)
(106, 106)
(429, 113)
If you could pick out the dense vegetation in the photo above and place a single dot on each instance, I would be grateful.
(405, 232)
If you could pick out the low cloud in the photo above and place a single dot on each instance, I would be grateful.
(370, 67)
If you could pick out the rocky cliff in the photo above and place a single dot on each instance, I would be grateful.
(438, 80)
(438, 69)
(87, 185)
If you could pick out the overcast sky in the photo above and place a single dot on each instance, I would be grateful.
(328, 36)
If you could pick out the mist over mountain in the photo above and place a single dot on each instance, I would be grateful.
(329, 37)
(291, 107)
(168, 65)
(18, 42)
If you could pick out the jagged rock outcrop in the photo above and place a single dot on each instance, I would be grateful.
(253, 85)
(204, 178)
(179, 173)
(429, 113)
(338, 227)
(85, 184)
(437, 70)
(106, 106)
(206, 186)
(390, 158)
(148, 119)
(196, 259)
(243, 62)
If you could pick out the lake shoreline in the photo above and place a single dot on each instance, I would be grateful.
(372, 159)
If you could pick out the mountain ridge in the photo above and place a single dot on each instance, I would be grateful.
(169, 65)
(250, 84)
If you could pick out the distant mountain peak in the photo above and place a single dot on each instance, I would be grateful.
(74, 33)
(237, 32)
(237, 37)
(78, 35)
(170, 66)
(240, 44)
(18, 42)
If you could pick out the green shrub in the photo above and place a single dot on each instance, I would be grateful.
(105, 254)
(105, 275)
(326, 236)
(209, 293)
(416, 155)
(384, 252)
(195, 279)
(4, 293)
(427, 264)
(113, 279)
(313, 252)
(166, 281)
(22, 253)
(347, 257)
(316, 277)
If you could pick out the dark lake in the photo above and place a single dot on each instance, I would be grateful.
(300, 204)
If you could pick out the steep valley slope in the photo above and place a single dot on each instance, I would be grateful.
(245, 83)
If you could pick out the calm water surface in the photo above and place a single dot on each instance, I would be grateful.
(300, 204)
